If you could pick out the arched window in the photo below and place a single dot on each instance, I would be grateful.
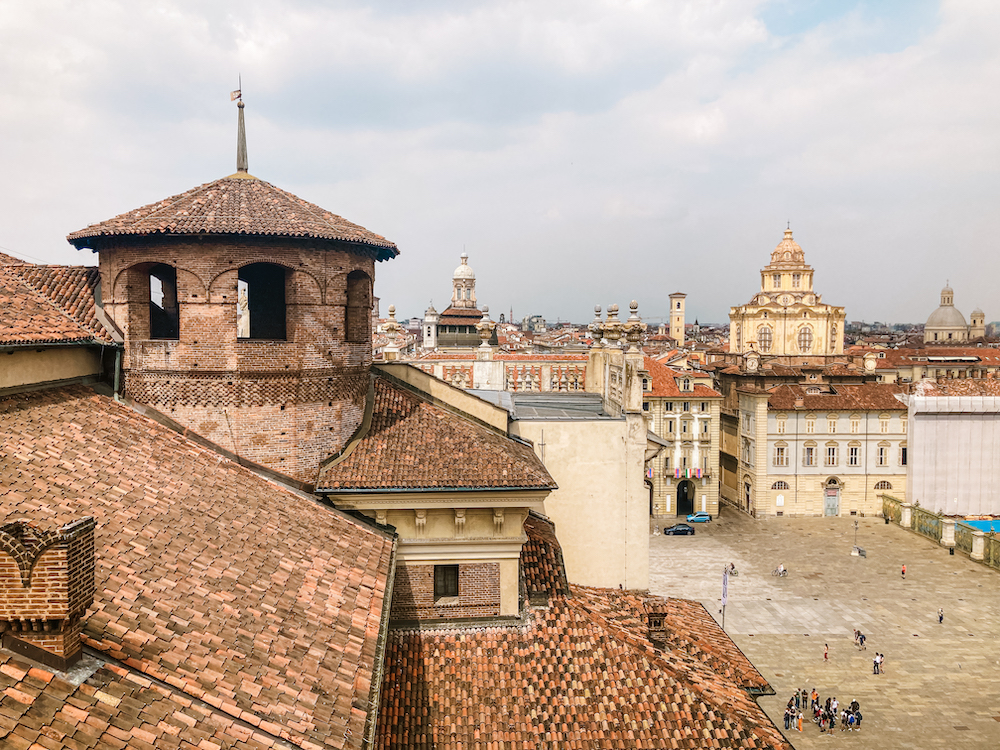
(883, 485)
(739, 339)
(164, 322)
(261, 302)
(779, 485)
(805, 339)
(359, 307)
(764, 338)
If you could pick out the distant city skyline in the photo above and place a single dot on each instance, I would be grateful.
(584, 153)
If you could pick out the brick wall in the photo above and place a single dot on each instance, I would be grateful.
(478, 593)
(285, 404)
(46, 585)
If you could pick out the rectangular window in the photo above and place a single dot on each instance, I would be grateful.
(902, 455)
(666, 463)
(855, 426)
(796, 280)
(704, 462)
(684, 462)
(777, 280)
(809, 457)
(645, 406)
(780, 456)
(704, 428)
(883, 425)
(853, 456)
(670, 426)
(781, 426)
(669, 406)
(445, 581)
(883, 456)
(810, 426)
(687, 406)
(704, 406)
(831, 426)
(684, 426)
(831, 455)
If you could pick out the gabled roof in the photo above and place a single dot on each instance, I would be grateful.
(28, 317)
(580, 672)
(412, 443)
(213, 582)
(72, 288)
(664, 382)
(235, 205)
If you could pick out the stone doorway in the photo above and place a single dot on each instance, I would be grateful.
(685, 497)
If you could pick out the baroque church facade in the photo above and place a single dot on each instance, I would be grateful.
(787, 317)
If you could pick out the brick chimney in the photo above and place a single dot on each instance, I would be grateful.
(656, 620)
(46, 585)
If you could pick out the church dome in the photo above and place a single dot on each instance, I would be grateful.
(464, 271)
(788, 251)
(946, 316)
(978, 313)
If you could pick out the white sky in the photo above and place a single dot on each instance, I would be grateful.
(581, 151)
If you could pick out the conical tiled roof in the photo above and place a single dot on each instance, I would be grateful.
(235, 205)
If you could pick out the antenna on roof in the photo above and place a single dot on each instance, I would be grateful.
(241, 133)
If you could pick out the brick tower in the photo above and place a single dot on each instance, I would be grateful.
(246, 313)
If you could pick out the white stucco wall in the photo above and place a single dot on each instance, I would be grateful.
(601, 509)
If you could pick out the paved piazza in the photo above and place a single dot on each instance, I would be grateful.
(941, 687)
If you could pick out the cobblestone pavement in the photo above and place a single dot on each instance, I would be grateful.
(941, 687)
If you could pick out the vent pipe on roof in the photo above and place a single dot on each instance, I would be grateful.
(241, 142)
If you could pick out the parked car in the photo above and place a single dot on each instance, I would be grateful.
(680, 528)
(700, 517)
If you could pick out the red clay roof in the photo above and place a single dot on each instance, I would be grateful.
(958, 387)
(414, 444)
(580, 672)
(28, 317)
(235, 205)
(664, 383)
(866, 396)
(234, 590)
(72, 288)
(460, 316)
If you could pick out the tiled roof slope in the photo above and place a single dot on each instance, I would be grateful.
(235, 205)
(664, 382)
(72, 288)
(414, 444)
(27, 317)
(580, 674)
(541, 558)
(958, 387)
(233, 589)
(862, 397)
(41, 709)
(460, 316)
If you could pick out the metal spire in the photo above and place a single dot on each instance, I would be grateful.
(241, 142)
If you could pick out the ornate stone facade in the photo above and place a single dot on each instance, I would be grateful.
(787, 317)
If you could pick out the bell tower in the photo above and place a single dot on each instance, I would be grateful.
(246, 313)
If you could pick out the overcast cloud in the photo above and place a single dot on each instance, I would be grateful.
(581, 152)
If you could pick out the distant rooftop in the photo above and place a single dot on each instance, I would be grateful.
(547, 406)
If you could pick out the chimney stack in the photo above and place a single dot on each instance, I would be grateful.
(46, 585)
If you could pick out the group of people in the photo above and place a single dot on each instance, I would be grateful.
(877, 667)
(826, 715)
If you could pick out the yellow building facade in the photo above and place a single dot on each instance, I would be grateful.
(786, 317)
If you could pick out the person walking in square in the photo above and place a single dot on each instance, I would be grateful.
(904, 571)
(826, 652)
(800, 721)
(940, 615)
(875, 664)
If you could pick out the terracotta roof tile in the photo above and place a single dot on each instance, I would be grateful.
(235, 205)
(863, 397)
(958, 387)
(581, 672)
(664, 382)
(27, 317)
(72, 288)
(238, 591)
(412, 443)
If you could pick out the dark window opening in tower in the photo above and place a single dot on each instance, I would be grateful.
(260, 307)
(163, 314)
(359, 307)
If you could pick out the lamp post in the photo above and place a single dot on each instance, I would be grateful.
(855, 533)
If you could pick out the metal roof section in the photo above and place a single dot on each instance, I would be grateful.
(548, 406)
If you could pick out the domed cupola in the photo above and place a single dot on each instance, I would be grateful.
(946, 324)
(463, 283)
